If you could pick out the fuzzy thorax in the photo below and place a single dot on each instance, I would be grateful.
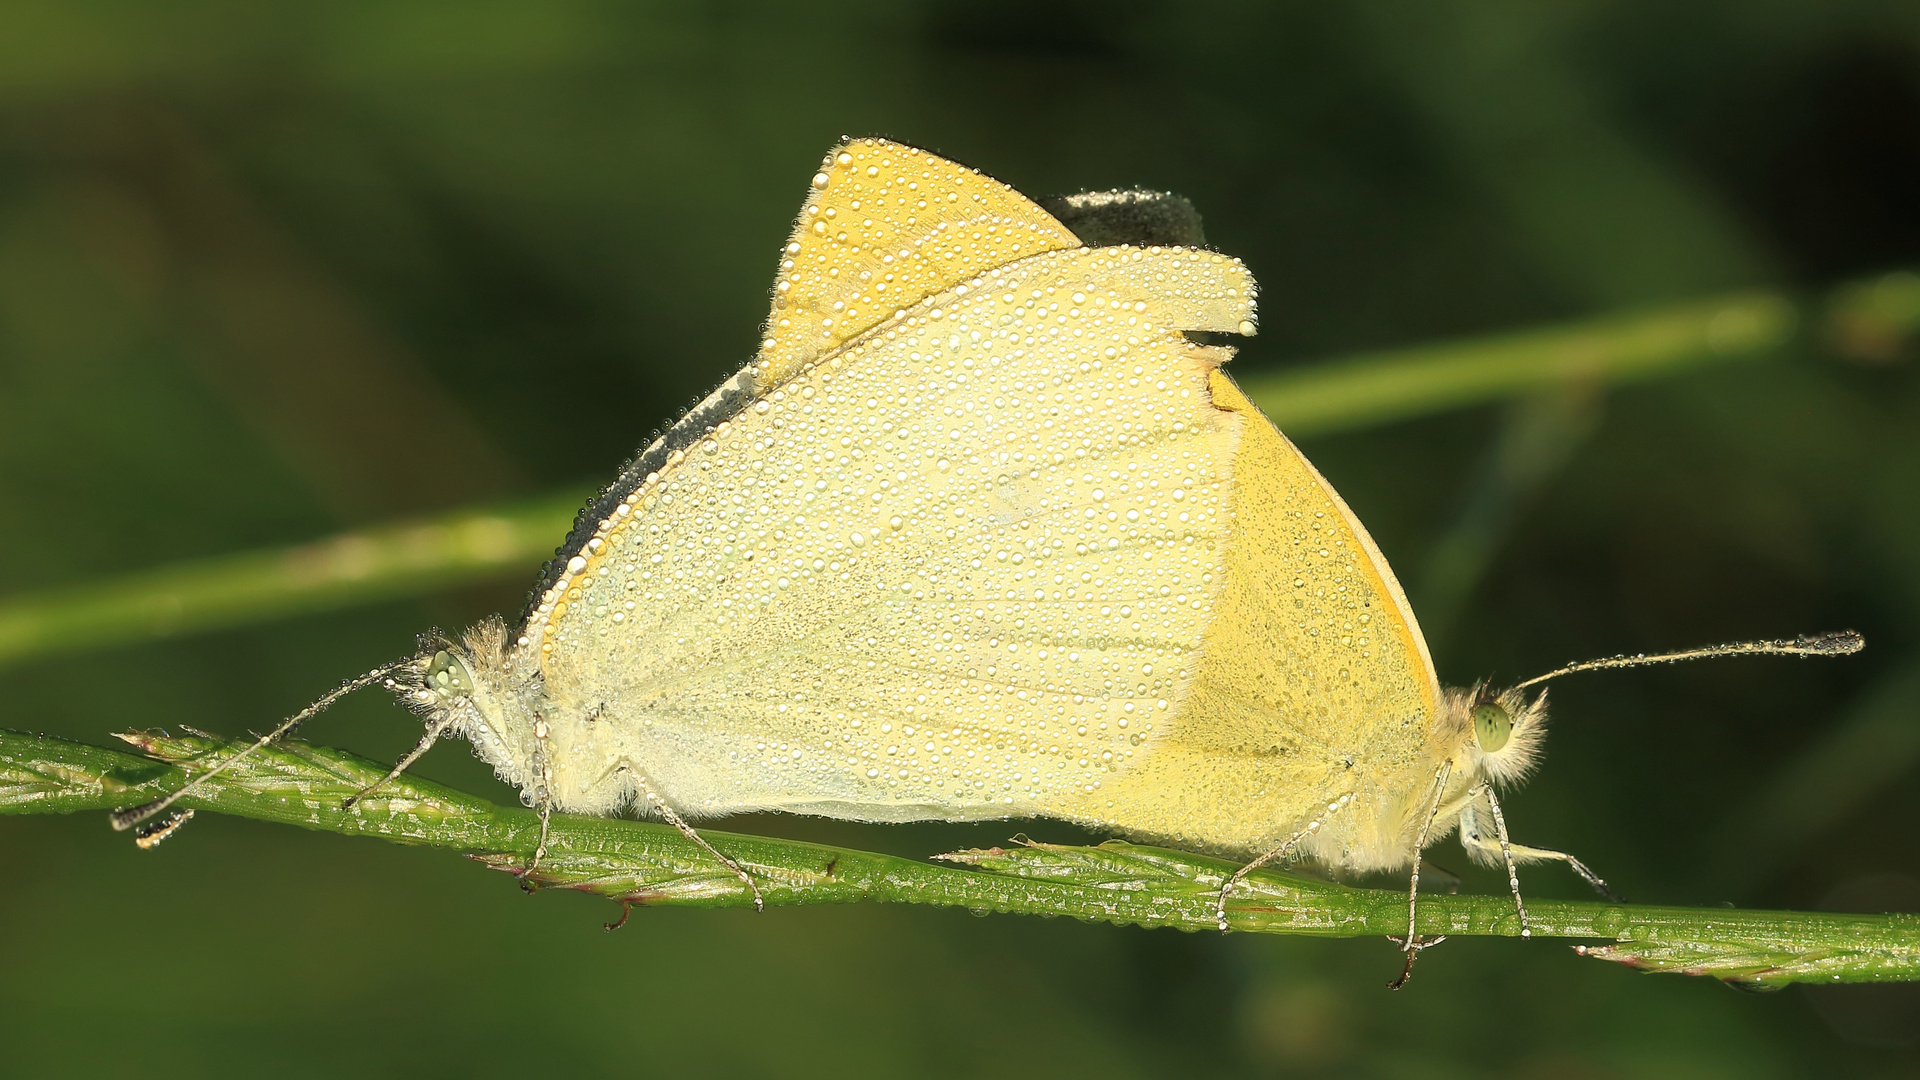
(474, 688)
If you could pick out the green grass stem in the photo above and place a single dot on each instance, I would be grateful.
(640, 863)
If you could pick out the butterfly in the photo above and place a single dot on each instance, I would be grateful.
(986, 530)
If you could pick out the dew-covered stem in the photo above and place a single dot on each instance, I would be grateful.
(641, 863)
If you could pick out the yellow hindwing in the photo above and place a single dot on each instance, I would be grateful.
(1313, 679)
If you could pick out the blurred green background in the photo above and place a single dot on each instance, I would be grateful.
(272, 270)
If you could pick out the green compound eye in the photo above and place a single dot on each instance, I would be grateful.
(1491, 726)
(447, 676)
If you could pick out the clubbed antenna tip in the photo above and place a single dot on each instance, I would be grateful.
(1837, 643)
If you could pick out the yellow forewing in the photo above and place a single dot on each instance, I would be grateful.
(884, 227)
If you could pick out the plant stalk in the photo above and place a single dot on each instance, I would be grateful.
(641, 863)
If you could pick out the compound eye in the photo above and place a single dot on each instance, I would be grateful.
(447, 676)
(1491, 726)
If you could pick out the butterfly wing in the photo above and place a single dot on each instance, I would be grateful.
(884, 227)
(1010, 549)
(959, 567)
(1313, 682)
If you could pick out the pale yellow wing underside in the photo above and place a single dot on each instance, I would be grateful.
(1005, 554)
(1314, 680)
(884, 227)
(961, 567)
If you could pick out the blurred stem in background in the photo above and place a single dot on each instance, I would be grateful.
(1538, 436)
(361, 567)
(1610, 221)
(485, 543)
(1874, 741)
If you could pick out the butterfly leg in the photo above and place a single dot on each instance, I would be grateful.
(1524, 854)
(1412, 947)
(1412, 944)
(1470, 828)
(672, 818)
(434, 731)
(1484, 849)
(546, 817)
(1277, 852)
(542, 796)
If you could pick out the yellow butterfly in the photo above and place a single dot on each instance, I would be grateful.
(983, 532)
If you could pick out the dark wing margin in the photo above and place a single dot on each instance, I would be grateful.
(1132, 216)
(723, 404)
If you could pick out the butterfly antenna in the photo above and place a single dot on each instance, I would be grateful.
(1840, 643)
(128, 818)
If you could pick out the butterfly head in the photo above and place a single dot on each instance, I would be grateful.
(469, 686)
(1503, 732)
